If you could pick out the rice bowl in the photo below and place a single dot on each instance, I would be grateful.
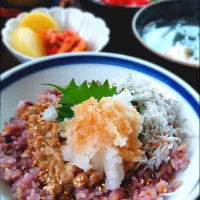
(156, 130)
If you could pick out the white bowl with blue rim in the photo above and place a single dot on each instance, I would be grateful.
(89, 27)
(25, 82)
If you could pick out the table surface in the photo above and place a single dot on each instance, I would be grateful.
(124, 43)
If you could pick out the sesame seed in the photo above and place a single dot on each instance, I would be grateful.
(60, 182)
(142, 181)
(79, 184)
(51, 192)
(34, 163)
(100, 189)
(65, 193)
(53, 187)
(40, 173)
(38, 184)
(78, 179)
(165, 190)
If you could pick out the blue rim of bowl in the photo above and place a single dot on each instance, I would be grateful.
(108, 59)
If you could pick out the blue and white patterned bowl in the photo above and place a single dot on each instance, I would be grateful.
(25, 82)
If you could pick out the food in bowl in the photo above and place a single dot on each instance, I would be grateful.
(183, 53)
(173, 37)
(179, 39)
(44, 37)
(44, 22)
(132, 3)
(94, 141)
(26, 41)
(57, 42)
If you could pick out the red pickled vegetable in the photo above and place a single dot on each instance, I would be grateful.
(127, 2)
(57, 42)
(69, 41)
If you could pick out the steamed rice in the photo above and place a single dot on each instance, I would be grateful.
(148, 179)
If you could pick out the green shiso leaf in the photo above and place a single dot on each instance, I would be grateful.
(138, 108)
(141, 137)
(74, 94)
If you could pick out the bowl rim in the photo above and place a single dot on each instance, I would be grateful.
(97, 55)
(28, 58)
(107, 58)
(113, 6)
(135, 32)
(122, 7)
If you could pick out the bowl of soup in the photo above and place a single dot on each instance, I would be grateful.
(170, 29)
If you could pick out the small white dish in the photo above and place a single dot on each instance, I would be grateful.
(92, 29)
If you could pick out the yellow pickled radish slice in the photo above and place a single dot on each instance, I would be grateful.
(28, 42)
(37, 21)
